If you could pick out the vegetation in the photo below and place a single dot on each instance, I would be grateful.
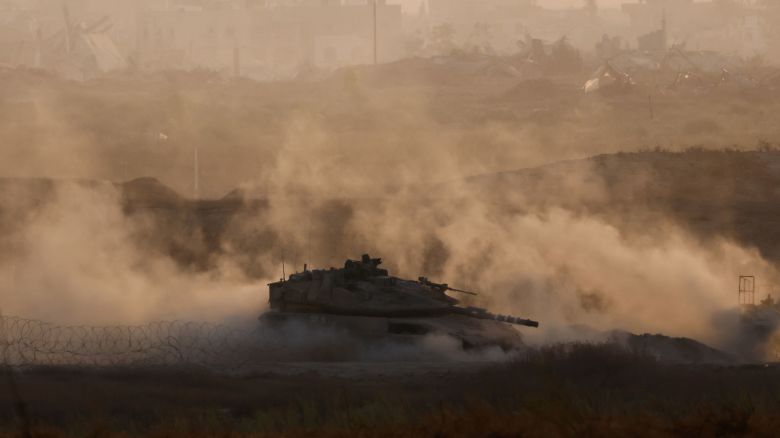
(565, 390)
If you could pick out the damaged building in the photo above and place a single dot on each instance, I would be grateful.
(81, 39)
(270, 40)
(726, 26)
(73, 48)
(507, 23)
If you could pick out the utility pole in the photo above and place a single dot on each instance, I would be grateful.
(376, 52)
(284, 274)
(196, 172)
(68, 28)
(236, 61)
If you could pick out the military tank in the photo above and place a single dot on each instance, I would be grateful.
(364, 299)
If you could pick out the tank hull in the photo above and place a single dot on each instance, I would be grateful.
(473, 334)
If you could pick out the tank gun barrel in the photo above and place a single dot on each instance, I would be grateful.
(462, 291)
(527, 322)
(444, 286)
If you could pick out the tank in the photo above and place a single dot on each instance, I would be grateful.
(364, 299)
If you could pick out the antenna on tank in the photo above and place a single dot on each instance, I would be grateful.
(196, 172)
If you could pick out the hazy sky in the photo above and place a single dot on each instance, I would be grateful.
(413, 5)
(577, 3)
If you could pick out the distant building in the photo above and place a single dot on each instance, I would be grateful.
(272, 38)
(459, 11)
(681, 15)
(726, 27)
(475, 22)
(655, 41)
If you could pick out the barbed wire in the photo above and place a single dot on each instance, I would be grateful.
(29, 342)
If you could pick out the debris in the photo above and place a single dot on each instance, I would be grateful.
(607, 79)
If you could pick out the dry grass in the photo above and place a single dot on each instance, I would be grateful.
(574, 390)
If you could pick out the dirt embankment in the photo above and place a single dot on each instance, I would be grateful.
(727, 194)
(712, 194)
(409, 115)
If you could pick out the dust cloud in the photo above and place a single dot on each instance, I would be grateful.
(578, 273)
(394, 189)
(355, 163)
(75, 261)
